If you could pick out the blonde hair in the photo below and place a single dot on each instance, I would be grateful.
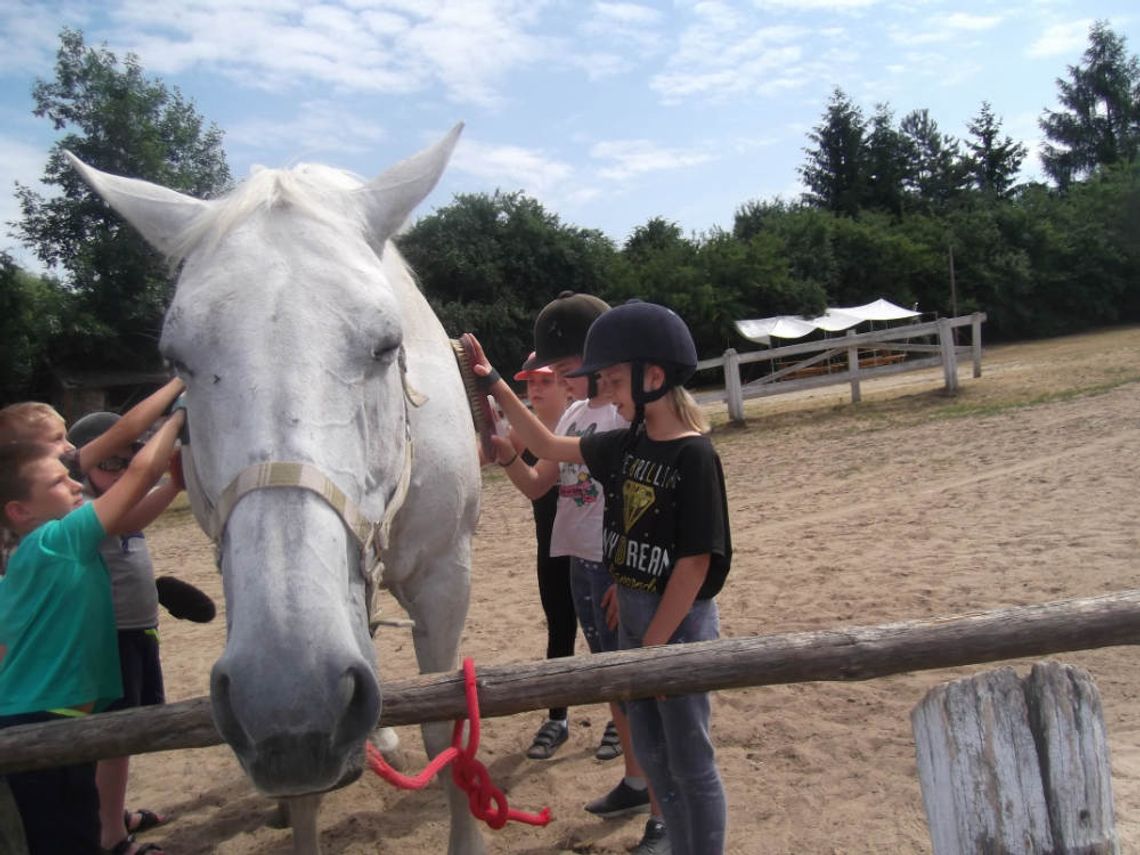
(24, 422)
(688, 410)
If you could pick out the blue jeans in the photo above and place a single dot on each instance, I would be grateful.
(589, 581)
(671, 737)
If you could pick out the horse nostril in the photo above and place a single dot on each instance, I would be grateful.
(359, 695)
(228, 724)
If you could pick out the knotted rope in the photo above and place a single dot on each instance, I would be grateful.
(486, 801)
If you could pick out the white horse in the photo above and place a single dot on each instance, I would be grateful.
(327, 418)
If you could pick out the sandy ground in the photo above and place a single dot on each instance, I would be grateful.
(1020, 490)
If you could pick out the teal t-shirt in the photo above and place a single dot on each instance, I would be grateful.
(57, 621)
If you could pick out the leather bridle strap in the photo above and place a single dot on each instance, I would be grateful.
(371, 535)
(277, 474)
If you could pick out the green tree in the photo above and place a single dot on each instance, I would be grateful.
(887, 156)
(489, 262)
(32, 316)
(114, 118)
(659, 264)
(934, 174)
(993, 162)
(1099, 123)
(835, 171)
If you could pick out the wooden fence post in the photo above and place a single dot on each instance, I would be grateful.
(853, 370)
(976, 342)
(949, 355)
(733, 391)
(1007, 766)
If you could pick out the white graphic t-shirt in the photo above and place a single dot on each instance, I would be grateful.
(581, 502)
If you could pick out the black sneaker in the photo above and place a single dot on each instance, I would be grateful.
(546, 741)
(620, 801)
(655, 840)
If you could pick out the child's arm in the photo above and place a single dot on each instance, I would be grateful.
(150, 507)
(532, 481)
(680, 592)
(534, 434)
(114, 507)
(130, 427)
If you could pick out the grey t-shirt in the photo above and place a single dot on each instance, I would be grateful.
(132, 580)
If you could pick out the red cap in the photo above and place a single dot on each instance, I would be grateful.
(527, 372)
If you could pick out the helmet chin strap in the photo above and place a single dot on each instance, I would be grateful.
(641, 397)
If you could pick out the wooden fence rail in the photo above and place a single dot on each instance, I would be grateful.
(849, 653)
(808, 365)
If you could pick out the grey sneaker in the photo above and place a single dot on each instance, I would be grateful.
(655, 840)
(546, 741)
(620, 801)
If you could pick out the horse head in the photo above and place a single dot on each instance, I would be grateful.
(291, 339)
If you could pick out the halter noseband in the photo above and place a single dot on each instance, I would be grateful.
(371, 535)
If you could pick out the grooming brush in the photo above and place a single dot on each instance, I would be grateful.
(480, 407)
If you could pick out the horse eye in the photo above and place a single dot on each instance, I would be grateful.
(180, 368)
(384, 352)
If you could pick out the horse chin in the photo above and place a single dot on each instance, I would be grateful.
(283, 767)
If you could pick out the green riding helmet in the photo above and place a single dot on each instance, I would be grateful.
(560, 328)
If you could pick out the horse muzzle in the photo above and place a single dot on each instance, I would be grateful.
(301, 743)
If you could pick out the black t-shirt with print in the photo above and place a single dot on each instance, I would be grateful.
(664, 501)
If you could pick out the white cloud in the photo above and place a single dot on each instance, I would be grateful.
(815, 5)
(725, 53)
(946, 28)
(1062, 40)
(318, 128)
(966, 21)
(626, 13)
(387, 46)
(29, 32)
(630, 158)
(511, 167)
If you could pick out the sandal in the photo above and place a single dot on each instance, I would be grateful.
(148, 819)
(546, 741)
(123, 847)
(610, 746)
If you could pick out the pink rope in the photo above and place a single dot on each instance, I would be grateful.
(485, 800)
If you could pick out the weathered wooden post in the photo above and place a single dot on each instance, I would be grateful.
(732, 388)
(853, 370)
(1012, 766)
(949, 355)
(976, 341)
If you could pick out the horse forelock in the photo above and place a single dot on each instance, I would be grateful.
(306, 190)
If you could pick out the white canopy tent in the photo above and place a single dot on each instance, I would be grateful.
(761, 330)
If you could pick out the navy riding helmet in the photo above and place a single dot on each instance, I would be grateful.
(641, 333)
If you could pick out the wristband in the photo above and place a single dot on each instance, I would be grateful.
(509, 462)
(485, 383)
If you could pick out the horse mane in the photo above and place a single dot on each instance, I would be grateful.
(307, 189)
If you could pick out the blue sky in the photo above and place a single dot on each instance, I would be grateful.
(609, 113)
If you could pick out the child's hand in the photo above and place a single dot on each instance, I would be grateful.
(479, 362)
(610, 604)
(505, 453)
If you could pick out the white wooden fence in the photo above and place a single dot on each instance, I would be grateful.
(853, 358)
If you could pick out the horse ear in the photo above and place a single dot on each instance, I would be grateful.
(158, 213)
(394, 194)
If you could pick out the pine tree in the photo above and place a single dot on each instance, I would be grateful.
(1099, 123)
(993, 162)
(835, 172)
